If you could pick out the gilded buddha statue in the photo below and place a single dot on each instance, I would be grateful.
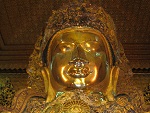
(79, 66)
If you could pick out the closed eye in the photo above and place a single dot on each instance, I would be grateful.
(65, 47)
(91, 46)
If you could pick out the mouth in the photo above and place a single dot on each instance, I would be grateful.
(78, 72)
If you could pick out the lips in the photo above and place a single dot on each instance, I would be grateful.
(78, 72)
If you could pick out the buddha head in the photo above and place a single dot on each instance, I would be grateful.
(79, 50)
(78, 57)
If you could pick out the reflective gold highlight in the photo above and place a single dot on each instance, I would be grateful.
(79, 57)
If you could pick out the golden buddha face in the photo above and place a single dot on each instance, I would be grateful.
(78, 58)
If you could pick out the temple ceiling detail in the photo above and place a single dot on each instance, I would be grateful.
(22, 21)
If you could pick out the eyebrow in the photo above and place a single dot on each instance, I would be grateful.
(80, 42)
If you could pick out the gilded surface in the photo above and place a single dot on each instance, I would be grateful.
(75, 66)
(7, 92)
(147, 94)
(34, 68)
(79, 101)
(80, 58)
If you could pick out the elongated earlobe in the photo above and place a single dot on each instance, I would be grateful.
(48, 87)
(115, 78)
(111, 90)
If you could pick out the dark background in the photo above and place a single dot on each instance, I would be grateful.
(22, 21)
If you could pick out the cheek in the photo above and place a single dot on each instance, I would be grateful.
(60, 60)
(102, 71)
(99, 62)
(57, 64)
(92, 58)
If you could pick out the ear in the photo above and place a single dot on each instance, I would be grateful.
(115, 78)
(48, 86)
(111, 89)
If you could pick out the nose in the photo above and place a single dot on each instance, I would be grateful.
(78, 53)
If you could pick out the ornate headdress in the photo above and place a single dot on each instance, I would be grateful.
(76, 13)
(82, 14)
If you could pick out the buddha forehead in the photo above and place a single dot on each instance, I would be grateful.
(83, 37)
(77, 35)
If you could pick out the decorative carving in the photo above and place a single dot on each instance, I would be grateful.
(34, 68)
(147, 94)
(77, 75)
(82, 15)
(82, 102)
(7, 92)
